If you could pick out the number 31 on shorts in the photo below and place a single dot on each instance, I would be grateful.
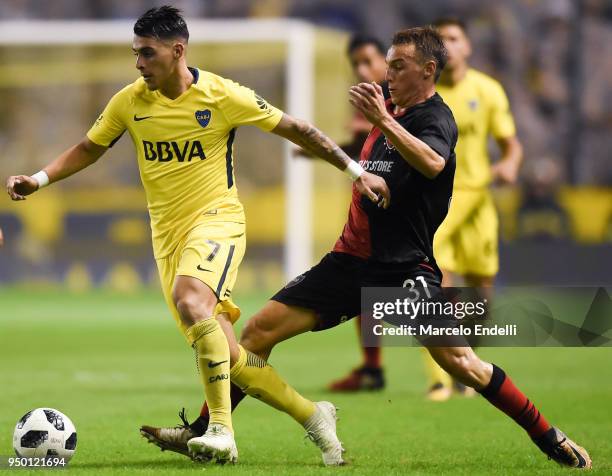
(410, 284)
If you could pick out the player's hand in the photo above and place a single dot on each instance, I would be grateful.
(369, 100)
(375, 188)
(1, 238)
(19, 186)
(505, 172)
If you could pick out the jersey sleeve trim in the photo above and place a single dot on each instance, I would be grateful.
(116, 139)
(229, 160)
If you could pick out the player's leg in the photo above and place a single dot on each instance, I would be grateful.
(493, 384)
(175, 438)
(200, 424)
(282, 325)
(450, 259)
(196, 303)
(203, 270)
(324, 296)
(368, 376)
(213, 255)
(328, 286)
(275, 323)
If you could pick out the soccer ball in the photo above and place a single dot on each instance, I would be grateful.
(45, 432)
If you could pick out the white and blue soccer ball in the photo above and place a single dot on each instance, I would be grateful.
(45, 433)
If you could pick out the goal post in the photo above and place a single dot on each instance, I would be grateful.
(298, 39)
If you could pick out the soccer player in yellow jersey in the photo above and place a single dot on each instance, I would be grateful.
(183, 122)
(465, 245)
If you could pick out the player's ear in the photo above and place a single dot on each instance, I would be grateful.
(429, 69)
(178, 50)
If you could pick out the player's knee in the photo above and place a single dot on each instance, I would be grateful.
(189, 307)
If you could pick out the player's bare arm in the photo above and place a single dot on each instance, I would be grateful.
(316, 143)
(69, 162)
(507, 169)
(369, 99)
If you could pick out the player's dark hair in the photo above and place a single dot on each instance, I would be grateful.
(428, 44)
(451, 21)
(359, 41)
(162, 23)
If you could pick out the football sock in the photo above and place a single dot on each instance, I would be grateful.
(371, 355)
(201, 423)
(435, 373)
(259, 379)
(502, 393)
(212, 357)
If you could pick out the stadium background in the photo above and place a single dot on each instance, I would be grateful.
(77, 261)
(547, 54)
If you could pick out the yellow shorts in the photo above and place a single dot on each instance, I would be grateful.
(467, 240)
(211, 252)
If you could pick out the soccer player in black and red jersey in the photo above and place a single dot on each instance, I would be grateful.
(412, 147)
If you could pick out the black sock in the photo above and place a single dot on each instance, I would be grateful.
(200, 425)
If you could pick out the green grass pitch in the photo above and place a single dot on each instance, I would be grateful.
(112, 362)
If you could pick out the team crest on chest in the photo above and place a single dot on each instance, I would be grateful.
(203, 117)
(389, 146)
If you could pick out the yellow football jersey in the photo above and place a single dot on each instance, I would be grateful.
(481, 109)
(184, 148)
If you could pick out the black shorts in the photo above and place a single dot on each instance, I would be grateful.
(332, 288)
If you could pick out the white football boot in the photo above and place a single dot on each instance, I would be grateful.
(321, 430)
(217, 445)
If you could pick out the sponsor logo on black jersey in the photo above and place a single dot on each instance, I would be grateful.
(165, 151)
(390, 147)
(377, 165)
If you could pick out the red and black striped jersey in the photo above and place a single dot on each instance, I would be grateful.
(404, 232)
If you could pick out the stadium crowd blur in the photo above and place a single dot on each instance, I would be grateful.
(526, 44)
(548, 54)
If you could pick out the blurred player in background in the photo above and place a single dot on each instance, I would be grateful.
(466, 243)
(183, 122)
(367, 56)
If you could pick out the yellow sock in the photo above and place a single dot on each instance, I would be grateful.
(435, 373)
(259, 380)
(212, 356)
